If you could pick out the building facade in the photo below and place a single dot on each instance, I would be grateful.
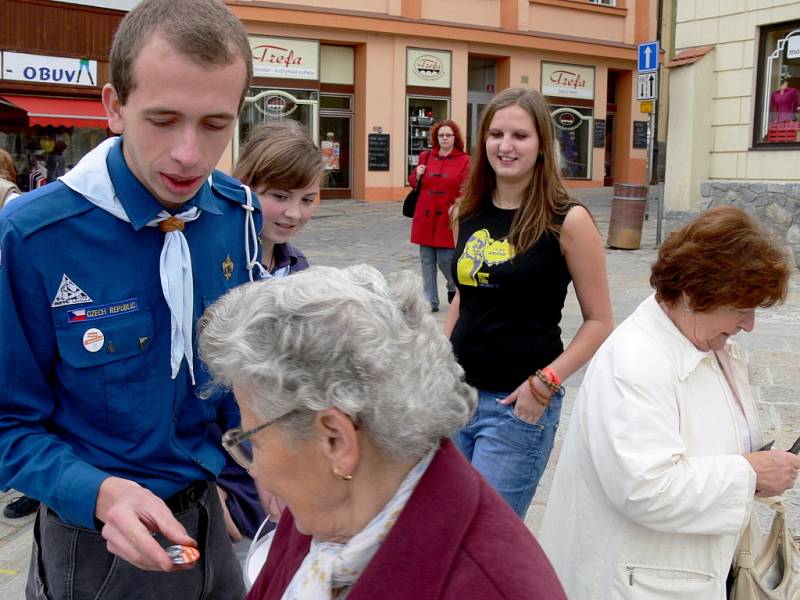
(367, 77)
(734, 102)
(370, 77)
(54, 64)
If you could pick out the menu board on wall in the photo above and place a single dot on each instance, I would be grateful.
(567, 81)
(599, 136)
(640, 134)
(378, 152)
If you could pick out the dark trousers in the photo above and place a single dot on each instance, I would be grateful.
(431, 257)
(72, 563)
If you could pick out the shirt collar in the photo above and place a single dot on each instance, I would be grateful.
(139, 204)
(283, 254)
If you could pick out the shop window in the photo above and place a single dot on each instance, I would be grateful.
(777, 114)
(42, 154)
(336, 102)
(423, 112)
(263, 105)
(574, 135)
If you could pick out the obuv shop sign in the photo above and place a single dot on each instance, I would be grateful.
(37, 68)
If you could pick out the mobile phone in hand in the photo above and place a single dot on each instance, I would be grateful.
(795, 447)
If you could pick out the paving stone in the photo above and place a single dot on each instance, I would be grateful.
(791, 359)
(785, 375)
(779, 422)
(759, 374)
(778, 393)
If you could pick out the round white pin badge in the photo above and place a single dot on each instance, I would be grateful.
(93, 339)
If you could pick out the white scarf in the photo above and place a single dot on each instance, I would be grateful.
(329, 566)
(91, 179)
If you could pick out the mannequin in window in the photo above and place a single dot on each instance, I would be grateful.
(784, 102)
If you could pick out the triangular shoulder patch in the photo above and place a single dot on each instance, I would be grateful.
(69, 294)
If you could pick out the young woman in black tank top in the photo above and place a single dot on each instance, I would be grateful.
(520, 240)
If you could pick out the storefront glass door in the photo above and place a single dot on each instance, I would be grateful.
(335, 142)
(476, 102)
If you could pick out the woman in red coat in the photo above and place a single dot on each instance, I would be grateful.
(445, 169)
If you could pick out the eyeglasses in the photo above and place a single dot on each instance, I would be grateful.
(445, 135)
(239, 446)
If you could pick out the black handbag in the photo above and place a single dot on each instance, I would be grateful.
(410, 203)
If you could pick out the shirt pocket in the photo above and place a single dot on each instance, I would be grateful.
(118, 384)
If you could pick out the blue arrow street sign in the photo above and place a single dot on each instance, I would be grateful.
(648, 57)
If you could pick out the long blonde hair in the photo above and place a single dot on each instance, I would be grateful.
(545, 198)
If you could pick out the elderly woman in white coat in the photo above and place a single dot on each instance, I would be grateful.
(660, 463)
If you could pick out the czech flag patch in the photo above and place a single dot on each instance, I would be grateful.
(75, 316)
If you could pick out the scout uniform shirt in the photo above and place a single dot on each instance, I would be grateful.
(85, 377)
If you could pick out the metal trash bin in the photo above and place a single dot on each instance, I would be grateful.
(627, 216)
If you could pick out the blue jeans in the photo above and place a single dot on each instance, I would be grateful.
(430, 257)
(510, 453)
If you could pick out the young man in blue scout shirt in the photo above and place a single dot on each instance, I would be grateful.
(103, 275)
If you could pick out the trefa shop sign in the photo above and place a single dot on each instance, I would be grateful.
(36, 68)
(429, 68)
(570, 81)
(285, 58)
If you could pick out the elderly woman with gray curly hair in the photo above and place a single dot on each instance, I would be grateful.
(349, 393)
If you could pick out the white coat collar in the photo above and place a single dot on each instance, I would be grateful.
(676, 346)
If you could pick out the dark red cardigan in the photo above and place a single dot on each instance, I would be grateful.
(455, 539)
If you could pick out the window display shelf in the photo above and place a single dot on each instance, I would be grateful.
(423, 112)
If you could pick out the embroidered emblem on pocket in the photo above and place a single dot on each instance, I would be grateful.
(69, 294)
(227, 268)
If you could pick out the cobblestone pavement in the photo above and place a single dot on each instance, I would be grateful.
(347, 232)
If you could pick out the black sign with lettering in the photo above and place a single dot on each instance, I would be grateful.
(640, 134)
(599, 133)
(378, 152)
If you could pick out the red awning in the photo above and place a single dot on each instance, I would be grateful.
(66, 112)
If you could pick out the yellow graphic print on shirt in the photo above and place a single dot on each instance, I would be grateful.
(480, 250)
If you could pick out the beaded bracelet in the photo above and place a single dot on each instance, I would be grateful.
(544, 403)
(552, 375)
(552, 386)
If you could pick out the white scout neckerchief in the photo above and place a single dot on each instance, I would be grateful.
(90, 178)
